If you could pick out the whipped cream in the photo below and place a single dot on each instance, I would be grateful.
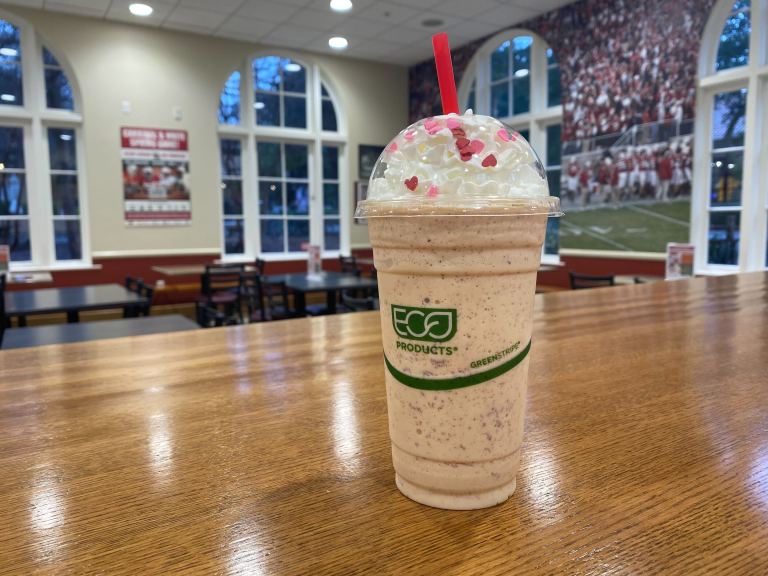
(457, 158)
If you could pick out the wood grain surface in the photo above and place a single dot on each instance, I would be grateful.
(263, 449)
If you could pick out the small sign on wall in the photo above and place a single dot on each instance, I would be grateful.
(679, 261)
(155, 177)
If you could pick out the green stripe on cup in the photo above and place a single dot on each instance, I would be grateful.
(459, 382)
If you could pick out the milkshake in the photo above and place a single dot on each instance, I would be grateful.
(457, 209)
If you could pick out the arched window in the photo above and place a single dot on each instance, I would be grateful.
(41, 188)
(729, 209)
(282, 151)
(515, 77)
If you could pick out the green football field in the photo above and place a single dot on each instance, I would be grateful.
(638, 227)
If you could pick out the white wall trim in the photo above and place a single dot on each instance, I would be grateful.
(106, 254)
(613, 254)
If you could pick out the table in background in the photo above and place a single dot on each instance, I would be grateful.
(72, 301)
(188, 269)
(29, 277)
(263, 449)
(101, 330)
(329, 282)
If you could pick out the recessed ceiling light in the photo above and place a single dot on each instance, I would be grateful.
(338, 42)
(259, 105)
(8, 51)
(7, 97)
(432, 22)
(138, 9)
(292, 67)
(341, 5)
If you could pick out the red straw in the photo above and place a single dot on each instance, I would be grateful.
(445, 73)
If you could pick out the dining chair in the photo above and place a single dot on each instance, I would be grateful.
(348, 265)
(221, 289)
(252, 290)
(277, 302)
(208, 317)
(260, 264)
(147, 292)
(356, 304)
(582, 281)
(132, 284)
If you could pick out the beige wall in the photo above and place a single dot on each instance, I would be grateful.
(156, 70)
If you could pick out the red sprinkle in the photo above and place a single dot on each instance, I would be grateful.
(466, 155)
(462, 143)
(411, 183)
(489, 161)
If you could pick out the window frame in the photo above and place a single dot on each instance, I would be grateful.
(35, 118)
(314, 137)
(754, 198)
(539, 116)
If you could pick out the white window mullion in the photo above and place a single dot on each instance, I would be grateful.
(748, 256)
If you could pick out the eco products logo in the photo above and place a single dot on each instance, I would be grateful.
(425, 324)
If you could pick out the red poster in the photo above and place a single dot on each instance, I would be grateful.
(155, 176)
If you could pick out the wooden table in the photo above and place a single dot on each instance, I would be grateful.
(173, 270)
(329, 282)
(71, 301)
(263, 449)
(101, 330)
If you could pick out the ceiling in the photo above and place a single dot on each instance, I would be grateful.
(387, 31)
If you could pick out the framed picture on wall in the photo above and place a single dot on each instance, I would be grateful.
(360, 192)
(366, 158)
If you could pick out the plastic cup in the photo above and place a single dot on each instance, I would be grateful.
(457, 278)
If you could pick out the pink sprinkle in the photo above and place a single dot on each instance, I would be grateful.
(453, 123)
(476, 146)
(504, 135)
(432, 126)
(392, 147)
(410, 135)
(433, 191)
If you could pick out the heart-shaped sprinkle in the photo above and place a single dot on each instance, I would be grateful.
(504, 135)
(476, 146)
(458, 133)
(410, 135)
(411, 183)
(465, 155)
(433, 191)
(462, 143)
(431, 126)
(392, 147)
(453, 123)
(489, 161)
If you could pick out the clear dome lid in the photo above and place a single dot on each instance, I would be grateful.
(452, 164)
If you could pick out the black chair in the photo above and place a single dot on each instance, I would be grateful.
(132, 284)
(3, 319)
(260, 264)
(221, 289)
(355, 304)
(277, 302)
(148, 292)
(582, 281)
(348, 265)
(208, 317)
(252, 290)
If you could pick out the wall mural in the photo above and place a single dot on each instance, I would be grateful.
(628, 71)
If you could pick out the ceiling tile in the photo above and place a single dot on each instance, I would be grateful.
(414, 54)
(223, 6)
(316, 19)
(360, 27)
(291, 35)
(98, 8)
(357, 6)
(403, 36)
(418, 4)
(245, 28)
(187, 28)
(193, 17)
(466, 9)
(539, 5)
(471, 30)
(388, 13)
(269, 11)
(503, 16)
